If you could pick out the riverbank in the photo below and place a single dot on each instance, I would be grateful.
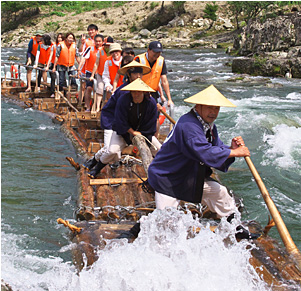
(126, 25)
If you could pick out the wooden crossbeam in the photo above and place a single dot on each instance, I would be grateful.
(115, 181)
(85, 116)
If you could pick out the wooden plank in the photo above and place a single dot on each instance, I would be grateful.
(115, 181)
(93, 133)
(86, 116)
(94, 147)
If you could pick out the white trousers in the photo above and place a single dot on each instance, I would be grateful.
(215, 196)
(100, 84)
(107, 135)
(117, 144)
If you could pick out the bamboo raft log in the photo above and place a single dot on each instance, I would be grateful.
(112, 203)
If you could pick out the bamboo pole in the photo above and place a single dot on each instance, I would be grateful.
(282, 229)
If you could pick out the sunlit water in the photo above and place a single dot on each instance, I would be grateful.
(38, 186)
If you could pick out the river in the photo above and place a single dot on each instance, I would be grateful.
(38, 186)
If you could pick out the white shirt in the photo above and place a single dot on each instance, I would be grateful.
(106, 74)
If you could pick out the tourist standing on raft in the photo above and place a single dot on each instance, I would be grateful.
(66, 53)
(156, 62)
(42, 58)
(31, 55)
(182, 168)
(60, 37)
(131, 71)
(111, 67)
(126, 52)
(92, 32)
(89, 58)
(135, 114)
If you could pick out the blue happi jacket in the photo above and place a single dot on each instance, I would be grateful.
(108, 111)
(148, 123)
(181, 165)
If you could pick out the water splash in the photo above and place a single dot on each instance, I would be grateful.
(162, 258)
(284, 146)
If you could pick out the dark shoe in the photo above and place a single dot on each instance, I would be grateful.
(93, 173)
(115, 165)
(90, 164)
(243, 233)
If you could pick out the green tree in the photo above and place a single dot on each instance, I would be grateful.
(210, 13)
(248, 9)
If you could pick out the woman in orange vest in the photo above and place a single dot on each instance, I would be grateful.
(31, 55)
(42, 57)
(60, 37)
(111, 67)
(66, 53)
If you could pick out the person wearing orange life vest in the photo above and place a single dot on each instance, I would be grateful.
(66, 53)
(92, 32)
(89, 58)
(60, 37)
(98, 68)
(31, 55)
(156, 62)
(111, 67)
(42, 57)
(129, 53)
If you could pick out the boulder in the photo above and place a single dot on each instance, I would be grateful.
(144, 33)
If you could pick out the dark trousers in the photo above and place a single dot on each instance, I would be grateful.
(52, 77)
(62, 79)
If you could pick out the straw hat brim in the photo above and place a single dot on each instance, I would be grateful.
(114, 47)
(138, 85)
(134, 64)
(210, 96)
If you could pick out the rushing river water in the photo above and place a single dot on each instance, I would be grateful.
(38, 186)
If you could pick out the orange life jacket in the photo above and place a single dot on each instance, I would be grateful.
(89, 42)
(67, 55)
(35, 45)
(102, 59)
(153, 78)
(113, 69)
(91, 61)
(44, 55)
(14, 72)
(54, 52)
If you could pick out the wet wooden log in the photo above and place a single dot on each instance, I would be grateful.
(144, 150)
(91, 239)
(86, 201)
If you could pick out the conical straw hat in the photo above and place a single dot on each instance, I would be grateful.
(210, 96)
(138, 85)
(134, 64)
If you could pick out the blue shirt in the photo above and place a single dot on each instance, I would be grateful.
(148, 123)
(108, 111)
(181, 165)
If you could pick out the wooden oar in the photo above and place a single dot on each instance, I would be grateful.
(282, 229)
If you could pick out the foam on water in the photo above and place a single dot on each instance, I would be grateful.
(162, 258)
(45, 127)
(294, 96)
(284, 146)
